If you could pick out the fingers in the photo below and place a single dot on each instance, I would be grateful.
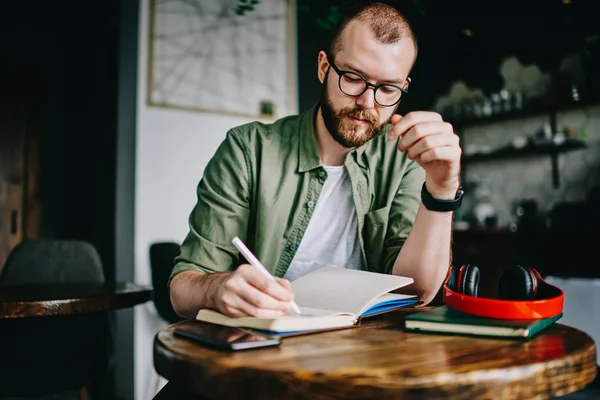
(246, 310)
(404, 124)
(432, 143)
(248, 292)
(232, 312)
(396, 118)
(242, 299)
(285, 283)
(446, 153)
(257, 304)
(264, 284)
(426, 142)
(419, 132)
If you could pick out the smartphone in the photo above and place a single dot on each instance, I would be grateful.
(224, 337)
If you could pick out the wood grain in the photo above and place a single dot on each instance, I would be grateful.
(68, 299)
(380, 360)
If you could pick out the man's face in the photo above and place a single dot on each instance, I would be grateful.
(351, 126)
(353, 121)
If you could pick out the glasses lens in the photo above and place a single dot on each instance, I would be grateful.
(387, 95)
(352, 84)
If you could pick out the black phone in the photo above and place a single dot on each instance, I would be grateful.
(224, 337)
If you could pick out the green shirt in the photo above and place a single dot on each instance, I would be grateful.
(263, 183)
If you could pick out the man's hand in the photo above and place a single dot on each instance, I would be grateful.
(247, 292)
(432, 143)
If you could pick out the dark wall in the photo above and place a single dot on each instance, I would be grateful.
(535, 31)
(71, 48)
(314, 35)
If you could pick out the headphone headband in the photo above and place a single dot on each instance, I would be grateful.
(548, 304)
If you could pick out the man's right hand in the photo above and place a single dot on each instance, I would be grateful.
(248, 292)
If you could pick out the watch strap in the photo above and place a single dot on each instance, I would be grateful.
(433, 204)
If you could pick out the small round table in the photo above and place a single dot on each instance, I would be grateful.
(379, 360)
(43, 325)
(69, 299)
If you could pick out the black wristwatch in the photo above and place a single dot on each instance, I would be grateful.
(433, 204)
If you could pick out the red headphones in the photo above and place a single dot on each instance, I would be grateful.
(522, 292)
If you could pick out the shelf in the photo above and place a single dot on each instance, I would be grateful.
(535, 109)
(529, 150)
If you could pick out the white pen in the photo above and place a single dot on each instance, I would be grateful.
(257, 264)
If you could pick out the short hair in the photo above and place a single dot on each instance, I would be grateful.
(387, 24)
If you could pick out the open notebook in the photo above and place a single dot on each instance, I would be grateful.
(329, 298)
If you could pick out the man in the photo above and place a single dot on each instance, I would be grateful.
(339, 184)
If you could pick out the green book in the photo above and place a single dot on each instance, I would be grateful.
(446, 320)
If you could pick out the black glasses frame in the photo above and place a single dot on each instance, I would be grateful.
(342, 72)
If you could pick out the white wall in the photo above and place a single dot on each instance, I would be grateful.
(173, 148)
(582, 297)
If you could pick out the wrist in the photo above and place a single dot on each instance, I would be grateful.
(447, 192)
(443, 204)
(211, 286)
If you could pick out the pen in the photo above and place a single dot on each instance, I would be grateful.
(257, 264)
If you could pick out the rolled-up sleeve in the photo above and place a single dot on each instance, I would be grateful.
(221, 212)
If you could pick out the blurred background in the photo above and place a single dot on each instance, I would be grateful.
(110, 111)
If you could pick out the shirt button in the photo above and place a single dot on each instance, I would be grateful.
(293, 247)
(310, 204)
(322, 174)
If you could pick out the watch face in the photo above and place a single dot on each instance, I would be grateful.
(459, 192)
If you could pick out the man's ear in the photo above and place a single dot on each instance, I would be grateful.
(322, 66)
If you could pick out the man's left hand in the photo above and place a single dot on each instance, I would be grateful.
(432, 143)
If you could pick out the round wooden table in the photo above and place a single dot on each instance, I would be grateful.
(69, 299)
(55, 337)
(378, 360)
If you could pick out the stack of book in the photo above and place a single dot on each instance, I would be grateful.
(446, 320)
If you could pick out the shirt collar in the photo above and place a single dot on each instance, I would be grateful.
(308, 149)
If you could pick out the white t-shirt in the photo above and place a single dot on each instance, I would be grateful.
(331, 235)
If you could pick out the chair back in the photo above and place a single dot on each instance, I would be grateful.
(162, 260)
(47, 261)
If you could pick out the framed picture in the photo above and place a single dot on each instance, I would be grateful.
(207, 56)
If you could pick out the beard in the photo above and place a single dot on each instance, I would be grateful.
(344, 131)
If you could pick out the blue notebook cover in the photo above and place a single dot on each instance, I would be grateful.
(388, 306)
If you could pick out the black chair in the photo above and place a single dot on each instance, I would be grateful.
(162, 260)
(52, 261)
(43, 356)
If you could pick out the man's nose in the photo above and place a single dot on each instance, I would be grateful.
(367, 99)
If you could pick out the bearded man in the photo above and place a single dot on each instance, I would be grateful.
(348, 183)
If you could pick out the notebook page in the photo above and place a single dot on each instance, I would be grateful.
(308, 312)
(343, 290)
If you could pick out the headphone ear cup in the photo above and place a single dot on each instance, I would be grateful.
(453, 278)
(470, 280)
(517, 283)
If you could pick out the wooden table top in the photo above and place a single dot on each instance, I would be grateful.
(380, 360)
(67, 299)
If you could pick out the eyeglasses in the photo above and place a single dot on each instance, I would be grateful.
(353, 84)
